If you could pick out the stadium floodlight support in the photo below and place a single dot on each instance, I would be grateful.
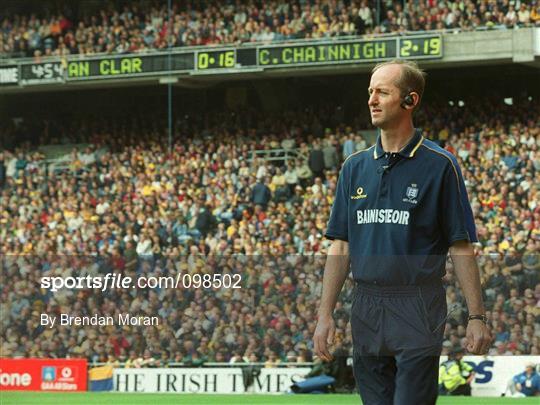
(169, 68)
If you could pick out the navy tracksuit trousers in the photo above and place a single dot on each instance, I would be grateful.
(397, 337)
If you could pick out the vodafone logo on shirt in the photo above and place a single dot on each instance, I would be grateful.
(43, 374)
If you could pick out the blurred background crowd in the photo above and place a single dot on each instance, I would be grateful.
(141, 26)
(126, 203)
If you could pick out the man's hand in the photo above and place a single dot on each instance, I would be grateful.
(478, 337)
(335, 272)
(466, 269)
(324, 336)
(471, 378)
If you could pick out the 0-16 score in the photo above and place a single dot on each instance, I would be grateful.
(216, 59)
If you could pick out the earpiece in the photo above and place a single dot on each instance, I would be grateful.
(407, 101)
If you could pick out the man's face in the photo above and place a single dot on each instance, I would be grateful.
(384, 97)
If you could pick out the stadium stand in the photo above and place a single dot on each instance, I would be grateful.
(123, 203)
(142, 26)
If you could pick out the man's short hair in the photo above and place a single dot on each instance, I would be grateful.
(412, 78)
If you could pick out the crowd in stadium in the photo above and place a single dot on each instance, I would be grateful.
(125, 204)
(142, 26)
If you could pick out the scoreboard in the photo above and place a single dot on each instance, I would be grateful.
(223, 60)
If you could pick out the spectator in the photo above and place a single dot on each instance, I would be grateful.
(525, 384)
(359, 143)
(316, 161)
(205, 222)
(291, 177)
(348, 146)
(279, 187)
(524, 15)
(272, 361)
(304, 173)
(535, 15)
(330, 155)
(261, 194)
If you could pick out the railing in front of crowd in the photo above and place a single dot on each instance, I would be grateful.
(58, 158)
(63, 162)
(273, 155)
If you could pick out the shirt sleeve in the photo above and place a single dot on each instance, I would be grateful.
(470, 227)
(338, 224)
(456, 215)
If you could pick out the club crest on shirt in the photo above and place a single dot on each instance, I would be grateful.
(411, 194)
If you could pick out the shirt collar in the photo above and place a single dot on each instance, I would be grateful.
(407, 151)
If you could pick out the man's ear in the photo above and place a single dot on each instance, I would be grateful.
(415, 99)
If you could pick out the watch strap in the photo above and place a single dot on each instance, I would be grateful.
(481, 317)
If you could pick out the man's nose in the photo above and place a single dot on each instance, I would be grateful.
(373, 100)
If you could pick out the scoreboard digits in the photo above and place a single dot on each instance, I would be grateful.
(216, 59)
(421, 47)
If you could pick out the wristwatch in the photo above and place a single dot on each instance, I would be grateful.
(481, 317)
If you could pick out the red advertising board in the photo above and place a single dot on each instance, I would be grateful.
(43, 374)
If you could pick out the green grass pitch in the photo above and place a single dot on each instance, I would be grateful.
(88, 398)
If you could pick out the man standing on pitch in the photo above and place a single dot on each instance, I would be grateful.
(400, 206)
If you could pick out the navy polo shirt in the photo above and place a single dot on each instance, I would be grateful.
(400, 212)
